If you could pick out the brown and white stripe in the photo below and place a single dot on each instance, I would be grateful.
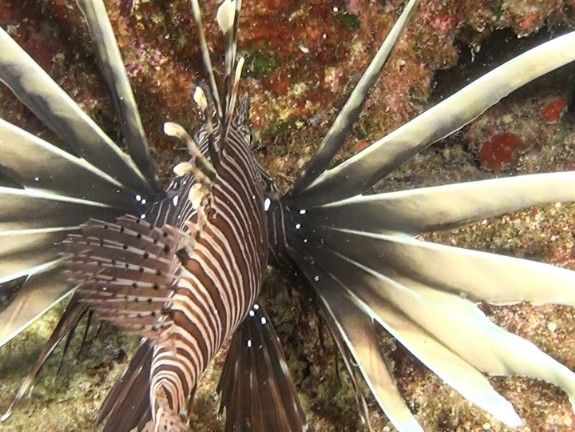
(221, 275)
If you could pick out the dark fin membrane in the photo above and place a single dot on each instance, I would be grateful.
(257, 391)
(127, 405)
(41, 167)
(61, 191)
(126, 271)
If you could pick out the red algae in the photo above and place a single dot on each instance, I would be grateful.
(554, 110)
(500, 151)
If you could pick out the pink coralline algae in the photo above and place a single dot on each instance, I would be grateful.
(554, 110)
(501, 150)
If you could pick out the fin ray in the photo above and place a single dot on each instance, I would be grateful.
(256, 387)
(360, 172)
(48, 210)
(453, 322)
(127, 405)
(114, 72)
(354, 331)
(479, 276)
(127, 271)
(38, 294)
(34, 87)
(350, 112)
(435, 208)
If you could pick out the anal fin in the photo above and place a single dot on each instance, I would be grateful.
(256, 387)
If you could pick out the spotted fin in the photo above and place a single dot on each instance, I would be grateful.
(257, 391)
(46, 202)
(126, 270)
(48, 190)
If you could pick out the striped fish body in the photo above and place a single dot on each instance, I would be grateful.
(180, 268)
(185, 273)
(220, 275)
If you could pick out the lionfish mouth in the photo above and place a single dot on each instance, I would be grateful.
(182, 267)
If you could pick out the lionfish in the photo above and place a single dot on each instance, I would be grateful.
(183, 267)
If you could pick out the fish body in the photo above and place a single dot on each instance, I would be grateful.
(220, 279)
(196, 260)
(183, 268)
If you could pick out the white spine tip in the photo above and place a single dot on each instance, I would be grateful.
(239, 67)
(200, 99)
(507, 415)
(196, 195)
(226, 16)
(174, 130)
(183, 168)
